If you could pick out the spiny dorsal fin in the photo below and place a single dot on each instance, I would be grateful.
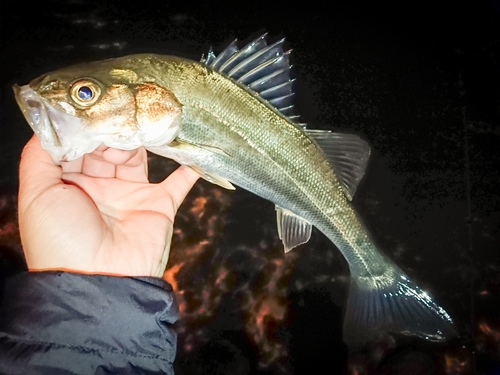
(347, 154)
(263, 69)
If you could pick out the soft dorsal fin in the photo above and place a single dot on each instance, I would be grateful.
(348, 155)
(292, 229)
(261, 68)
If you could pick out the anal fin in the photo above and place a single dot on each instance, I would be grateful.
(292, 229)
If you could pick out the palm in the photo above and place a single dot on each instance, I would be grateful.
(124, 226)
(106, 218)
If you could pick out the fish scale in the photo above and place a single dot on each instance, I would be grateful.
(308, 178)
(309, 189)
(302, 160)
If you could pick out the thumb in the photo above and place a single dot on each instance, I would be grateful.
(179, 183)
(37, 172)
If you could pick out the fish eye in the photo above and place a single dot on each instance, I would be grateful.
(85, 92)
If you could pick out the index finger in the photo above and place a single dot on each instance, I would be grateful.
(133, 166)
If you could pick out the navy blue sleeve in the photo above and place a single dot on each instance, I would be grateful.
(66, 323)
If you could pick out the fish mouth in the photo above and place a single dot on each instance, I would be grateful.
(60, 134)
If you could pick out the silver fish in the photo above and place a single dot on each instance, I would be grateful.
(230, 118)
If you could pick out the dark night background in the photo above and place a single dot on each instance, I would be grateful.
(419, 80)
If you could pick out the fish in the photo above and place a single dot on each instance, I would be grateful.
(230, 117)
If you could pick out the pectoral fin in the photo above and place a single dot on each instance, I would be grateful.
(292, 229)
(347, 154)
(213, 179)
(180, 144)
(200, 151)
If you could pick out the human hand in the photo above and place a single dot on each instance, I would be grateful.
(98, 214)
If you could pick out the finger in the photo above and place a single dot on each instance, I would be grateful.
(94, 165)
(179, 183)
(134, 169)
(74, 166)
(119, 157)
(37, 171)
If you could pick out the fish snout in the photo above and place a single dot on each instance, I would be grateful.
(35, 83)
(31, 105)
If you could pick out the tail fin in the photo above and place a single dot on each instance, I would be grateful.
(392, 303)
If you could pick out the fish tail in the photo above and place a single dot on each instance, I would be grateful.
(392, 303)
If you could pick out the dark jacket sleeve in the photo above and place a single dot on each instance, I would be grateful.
(66, 323)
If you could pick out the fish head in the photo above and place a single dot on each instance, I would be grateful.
(75, 110)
